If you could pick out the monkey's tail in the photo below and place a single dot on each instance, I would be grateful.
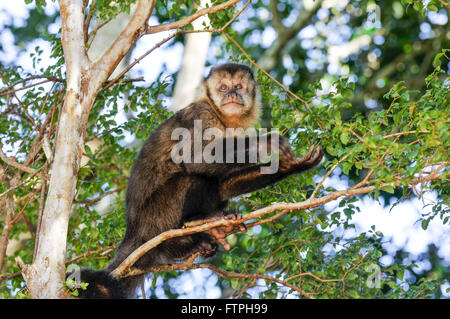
(102, 285)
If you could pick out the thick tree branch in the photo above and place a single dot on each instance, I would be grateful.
(123, 268)
(45, 276)
(102, 69)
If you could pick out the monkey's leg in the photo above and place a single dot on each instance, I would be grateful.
(249, 179)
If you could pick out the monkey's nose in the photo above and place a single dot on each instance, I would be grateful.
(232, 93)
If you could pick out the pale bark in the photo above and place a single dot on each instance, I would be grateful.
(105, 36)
(46, 274)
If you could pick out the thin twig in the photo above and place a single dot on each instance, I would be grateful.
(24, 88)
(405, 133)
(33, 77)
(98, 251)
(446, 4)
(88, 21)
(181, 23)
(139, 59)
(20, 103)
(313, 195)
(220, 272)
(12, 162)
(18, 185)
(93, 33)
(235, 16)
(94, 200)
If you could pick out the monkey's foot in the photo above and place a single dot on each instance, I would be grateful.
(220, 233)
(207, 248)
(235, 228)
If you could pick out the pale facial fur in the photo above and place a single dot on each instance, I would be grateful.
(236, 97)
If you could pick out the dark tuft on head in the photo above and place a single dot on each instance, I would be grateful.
(232, 68)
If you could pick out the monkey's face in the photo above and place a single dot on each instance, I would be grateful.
(233, 94)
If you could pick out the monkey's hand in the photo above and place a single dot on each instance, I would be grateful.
(220, 233)
(311, 159)
(288, 161)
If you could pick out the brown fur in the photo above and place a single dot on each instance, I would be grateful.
(163, 195)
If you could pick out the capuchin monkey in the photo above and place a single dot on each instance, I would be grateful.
(166, 191)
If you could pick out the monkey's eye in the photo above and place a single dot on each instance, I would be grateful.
(238, 86)
(223, 87)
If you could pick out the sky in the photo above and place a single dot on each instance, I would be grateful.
(400, 224)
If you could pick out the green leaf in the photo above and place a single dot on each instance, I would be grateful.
(345, 137)
(437, 59)
(432, 7)
(388, 188)
(425, 223)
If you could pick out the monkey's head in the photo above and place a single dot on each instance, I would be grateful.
(233, 93)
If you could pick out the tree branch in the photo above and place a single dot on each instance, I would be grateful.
(12, 162)
(189, 265)
(103, 68)
(159, 44)
(88, 21)
(20, 102)
(99, 198)
(33, 77)
(123, 268)
(187, 20)
(7, 223)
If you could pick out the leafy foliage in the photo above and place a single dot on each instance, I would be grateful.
(401, 139)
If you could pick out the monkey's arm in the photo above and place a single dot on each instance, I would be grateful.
(231, 153)
(248, 179)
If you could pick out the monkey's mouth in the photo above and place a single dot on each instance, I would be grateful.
(238, 103)
(232, 107)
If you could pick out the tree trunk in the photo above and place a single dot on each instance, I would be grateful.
(45, 276)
